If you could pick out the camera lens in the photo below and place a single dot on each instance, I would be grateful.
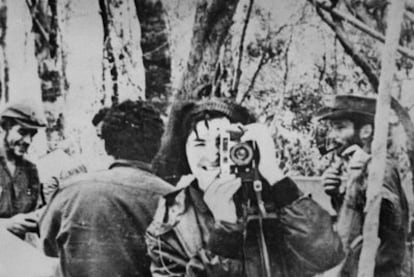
(241, 154)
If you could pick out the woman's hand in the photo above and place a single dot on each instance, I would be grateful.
(268, 164)
(219, 198)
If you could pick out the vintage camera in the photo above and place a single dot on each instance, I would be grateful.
(241, 158)
(237, 157)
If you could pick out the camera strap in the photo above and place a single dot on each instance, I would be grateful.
(258, 188)
(264, 252)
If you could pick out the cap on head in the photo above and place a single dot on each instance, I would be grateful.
(27, 114)
(235, 112)
(348, 107)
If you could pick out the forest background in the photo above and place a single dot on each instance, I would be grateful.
(279, 58)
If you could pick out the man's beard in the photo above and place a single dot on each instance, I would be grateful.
(343, 145)
(11, 150)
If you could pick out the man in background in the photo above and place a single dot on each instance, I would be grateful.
(351, 127)
(20, 192)
(97, 120)
(96, 222)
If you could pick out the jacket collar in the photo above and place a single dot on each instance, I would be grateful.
(196, 196)
(193, 195)
(131, 163)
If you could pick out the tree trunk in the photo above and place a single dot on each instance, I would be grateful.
(123, 66)
(155, 44)
(4, 86)
(213, 20)
(81, 45)
(238, 71)
(22, 64)
(379, 145)
(51, 69)
(366, 29)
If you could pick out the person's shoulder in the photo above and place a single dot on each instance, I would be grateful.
(85, 186)
(82, 178)
(110, 180)
(139, 179)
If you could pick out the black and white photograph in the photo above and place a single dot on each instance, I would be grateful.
(206, 138)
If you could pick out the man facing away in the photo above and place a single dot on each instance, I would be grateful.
(96, 222)
(20, 192)
(351, 127)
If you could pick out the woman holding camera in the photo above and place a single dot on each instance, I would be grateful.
(201, 228)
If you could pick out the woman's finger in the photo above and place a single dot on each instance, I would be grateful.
(223, 188)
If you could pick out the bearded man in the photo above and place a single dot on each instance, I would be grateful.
(351, 127)
(20, 192)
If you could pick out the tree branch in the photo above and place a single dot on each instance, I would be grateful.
(409, 15)
(350, 49)
(238, 71)
(286, 74)
(364, 28)
(37, 23)
(263, 60)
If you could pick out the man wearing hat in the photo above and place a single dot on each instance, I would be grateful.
(19, 182)
(351, 125)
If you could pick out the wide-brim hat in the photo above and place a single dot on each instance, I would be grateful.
(26, 114)
(348, 106)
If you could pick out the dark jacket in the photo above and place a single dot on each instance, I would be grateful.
(184, 240)
(96, 222)
(393, 222)
(20, 192)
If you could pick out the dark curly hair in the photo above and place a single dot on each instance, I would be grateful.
(132, 130)
(170, 163)
(99, 116)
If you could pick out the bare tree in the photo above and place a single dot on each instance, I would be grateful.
(4, 89)
(123, 69)
(155, 43)
(238, 71)
(371, 240)
(51, 68)
(212, 22)
(23, 80)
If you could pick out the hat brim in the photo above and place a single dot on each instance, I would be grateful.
(342, 114)
(27, 124)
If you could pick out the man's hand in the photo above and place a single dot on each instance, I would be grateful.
(358, 158)
(331, 180)
(20, 224)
